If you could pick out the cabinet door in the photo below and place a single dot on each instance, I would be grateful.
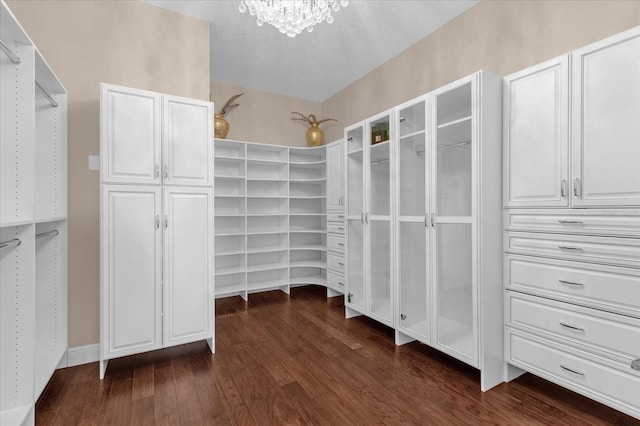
(606, 128)
(130, 126)
(187, 141)
(335, 182)
(412, 279)
(536, 133)
(131, 270)
(355, 265)
(188, 265)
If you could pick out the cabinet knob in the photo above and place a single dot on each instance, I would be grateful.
(402, 119)
(157, 171)
(576, 187)
(563, 188)
(157, 221)
(635, 364)
(403, 317)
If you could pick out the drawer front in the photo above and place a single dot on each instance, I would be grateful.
(613, 333)
(576, 370)
(335, 228)
(335, 243)
(624, 223)
(335, 281)
(335, 262)
(604, 287)
(336, 217)
(610, 250)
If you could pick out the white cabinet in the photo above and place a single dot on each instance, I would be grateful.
(335, 179)
(131, 269)
(572, 275)
(447, 195)
(151, 138)
(536, 136)
(370, 288)
(598, 167)
(606, 107)
(157, 223)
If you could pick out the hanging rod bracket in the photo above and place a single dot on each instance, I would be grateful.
(46, 94)
(7, 51)
(10, 243)
(53, 233)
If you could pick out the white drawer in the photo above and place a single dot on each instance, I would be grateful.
(576, 370)
(603, 287)
(335, 281)
(615, 222)
(614, 334)
(610, 250)
(335, 228)
(335, 217)
(335, 262)
(335, 243)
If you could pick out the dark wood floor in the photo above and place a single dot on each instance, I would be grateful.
(297, 360)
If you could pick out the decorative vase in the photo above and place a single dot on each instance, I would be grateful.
(221, 126)
(314, 135)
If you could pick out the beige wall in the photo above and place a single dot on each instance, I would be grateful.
(498, 36)
(121, 42)
(266, 117)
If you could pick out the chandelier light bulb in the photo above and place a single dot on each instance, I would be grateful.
(290, 17)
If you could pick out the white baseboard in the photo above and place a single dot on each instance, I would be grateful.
(83, 355)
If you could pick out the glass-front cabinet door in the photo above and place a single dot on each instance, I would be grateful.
(412, 225)
(378, 215)
(454, 323)
(355, 270)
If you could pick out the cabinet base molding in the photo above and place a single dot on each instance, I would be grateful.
(80, 355)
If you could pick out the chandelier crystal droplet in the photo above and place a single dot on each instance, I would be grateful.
(290, 17)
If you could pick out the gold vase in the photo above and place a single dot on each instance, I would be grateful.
(221, 126)
(314, 135)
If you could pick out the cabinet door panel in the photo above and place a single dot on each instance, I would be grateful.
(335, 176)
(130, 126)
(188, 268)
(187, 141)
(606, 132)
(536, 136)
(412, 283)
(355, 265)
(132, 270)
(380, 270)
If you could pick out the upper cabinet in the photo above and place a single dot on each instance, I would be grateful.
(536, 134)
(335, 179)
(597, 167)
(606, 122)
(151, 138)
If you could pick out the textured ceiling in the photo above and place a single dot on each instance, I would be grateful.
(319, 64)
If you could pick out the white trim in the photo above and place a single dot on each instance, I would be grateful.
(83, 355)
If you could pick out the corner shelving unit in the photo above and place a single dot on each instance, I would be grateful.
(270, 217)
(33, 223)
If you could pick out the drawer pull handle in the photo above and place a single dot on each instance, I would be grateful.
(570, 283)
(572, 370)
(635, 364)
(341, 227)
(340, 263)
(341, 244)
(572, 327)
(571, 222)
(570, 248)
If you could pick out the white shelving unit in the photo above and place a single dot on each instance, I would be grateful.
(270, 216)
(33, 223)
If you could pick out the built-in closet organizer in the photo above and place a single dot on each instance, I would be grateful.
(335, 219)
(33, 223)
(270, 217)
(446, 190)
(156, 222)
(572, 221)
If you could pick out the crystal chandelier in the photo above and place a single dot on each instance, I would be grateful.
(292, 16)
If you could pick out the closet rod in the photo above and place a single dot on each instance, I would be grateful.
(12, 56)
(384, 160)
(46, 94)
(11, 243)
(455, 145)
(53, 233)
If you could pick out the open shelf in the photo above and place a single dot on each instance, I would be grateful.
(262, 152)
(229, 167)
(306, 155)
(454, 104)
(307, 275)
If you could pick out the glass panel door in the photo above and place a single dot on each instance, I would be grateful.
(455, 306)
(380, 300)
(355, 265)
(412, 252)
(411, 160)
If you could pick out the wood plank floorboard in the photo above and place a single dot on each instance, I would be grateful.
(296, 360)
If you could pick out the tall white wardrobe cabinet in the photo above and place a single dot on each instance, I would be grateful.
(572, 221)
(156, 221)
(33, 223)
